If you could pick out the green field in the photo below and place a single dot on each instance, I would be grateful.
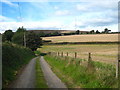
(100, 52)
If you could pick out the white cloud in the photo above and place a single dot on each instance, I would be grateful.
(9, 3)
(53, 25)
(62, 12)
(97, 6)
(82, 7)
(102, 15)
(113, 27)
(29, 25)
(5, 19)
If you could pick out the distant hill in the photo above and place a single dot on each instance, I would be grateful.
(51, 31)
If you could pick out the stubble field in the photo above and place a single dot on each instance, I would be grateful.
(84, 38)
(106, 53)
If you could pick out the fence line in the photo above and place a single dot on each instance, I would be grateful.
(89, 60)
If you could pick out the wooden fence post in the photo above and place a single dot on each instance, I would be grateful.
(58, 53)
(91, 67)
(75, 55)
(67, 54)
(62, 54)
(89, 57)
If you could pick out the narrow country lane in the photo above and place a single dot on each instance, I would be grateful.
(27, 77)
(52, 80)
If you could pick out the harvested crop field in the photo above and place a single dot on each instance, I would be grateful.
(100, 52)
(84, 38)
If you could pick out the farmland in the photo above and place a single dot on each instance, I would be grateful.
(105, 53)
(100, 52)
(84, 38)
(76, 75)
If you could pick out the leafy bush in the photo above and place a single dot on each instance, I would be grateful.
(13, 58)
(18, 38)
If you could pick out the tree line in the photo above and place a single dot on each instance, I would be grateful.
(106, 31)
(33, 40)
(42, 34)
(21, 36)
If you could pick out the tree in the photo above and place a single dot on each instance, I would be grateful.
(105, 30)
(77, 32)
(97, 32)
(7, 35)
(92, 32)
(41, 34)
(33, 41)
(55, 34)
(18, 37)
(21, 29)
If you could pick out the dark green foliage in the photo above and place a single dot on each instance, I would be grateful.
(52, 34)
(13, 58)
(7, 35)
(42, 34)
(106, 30)
(33, 41)
(18, 38)
(77, 32)
(21, 29)
(92, 32)
(37, 52)
(97, 32)
(55, 34)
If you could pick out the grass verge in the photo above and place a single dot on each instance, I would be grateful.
(78, 76)
(40, 81)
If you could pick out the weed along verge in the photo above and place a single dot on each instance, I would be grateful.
(40, 81)
(79, 73)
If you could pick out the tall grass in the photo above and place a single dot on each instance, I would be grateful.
(78, 76)
(13, 58)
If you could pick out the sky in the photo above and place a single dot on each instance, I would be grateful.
(84, 15)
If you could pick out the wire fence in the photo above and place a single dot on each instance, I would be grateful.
(87, 57)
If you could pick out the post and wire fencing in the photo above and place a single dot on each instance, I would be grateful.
(88, 58)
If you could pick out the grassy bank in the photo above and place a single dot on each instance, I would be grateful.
(80, 75)
(13, 58)
(40, 81)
